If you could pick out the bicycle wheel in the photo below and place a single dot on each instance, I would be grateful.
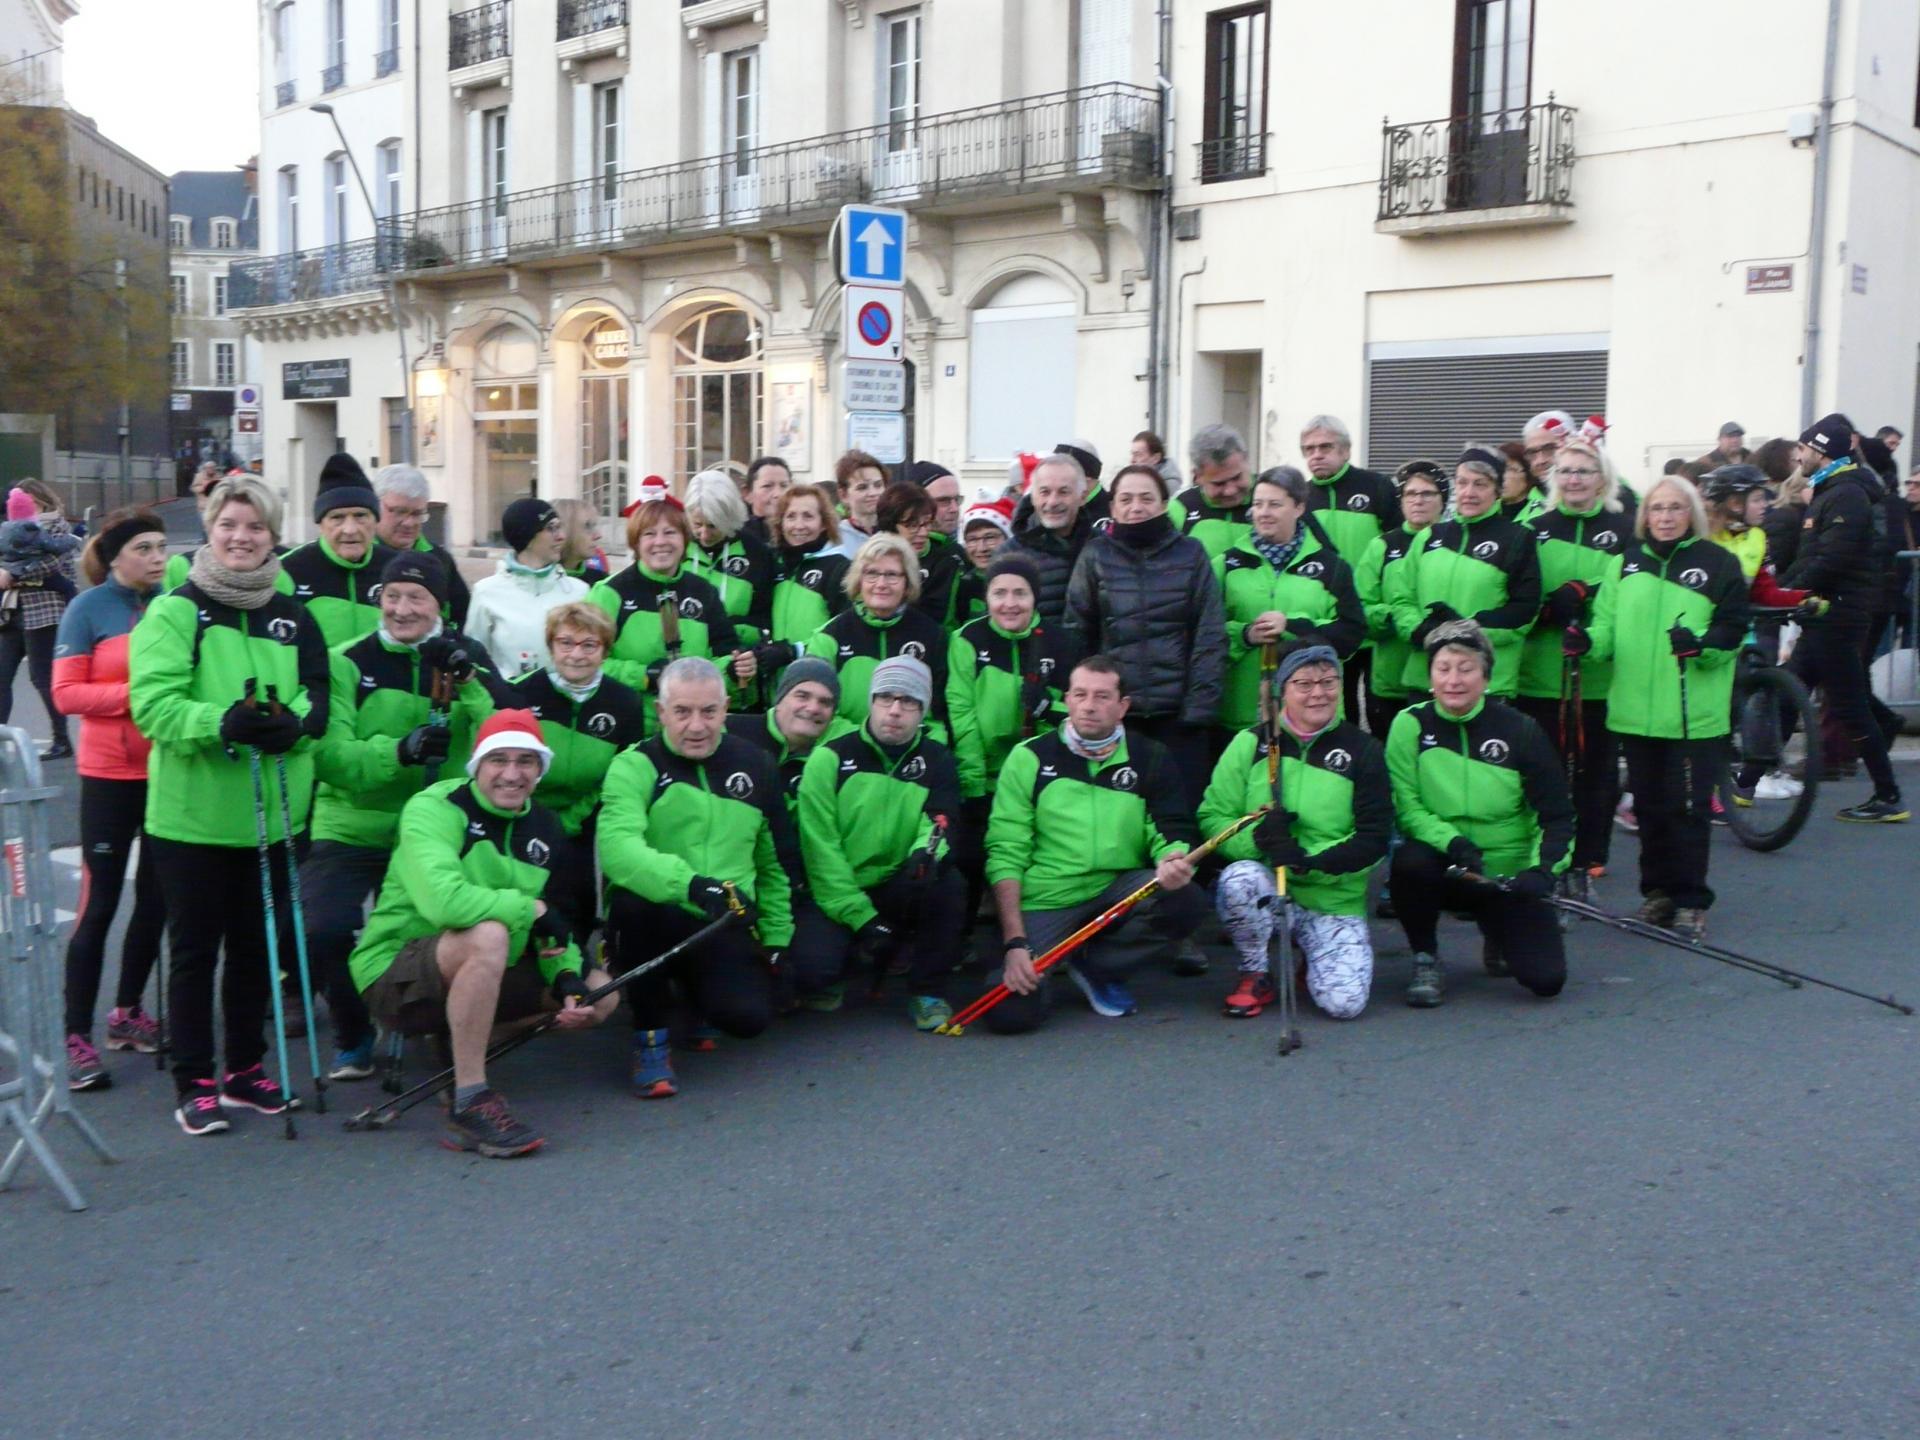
(1775, 738)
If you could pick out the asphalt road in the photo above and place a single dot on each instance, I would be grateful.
(1677, 1202)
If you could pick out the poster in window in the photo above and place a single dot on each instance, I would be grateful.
(790, 427)
(427, 434)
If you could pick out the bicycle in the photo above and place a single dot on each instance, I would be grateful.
(1774, 742)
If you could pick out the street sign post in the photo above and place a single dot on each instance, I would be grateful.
(881, 433)
(873, 384)
(871, 323)
(873, 245)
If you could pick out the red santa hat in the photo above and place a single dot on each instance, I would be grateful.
(510, 730)
(997, 513)
(1594, 429)
(654, 487)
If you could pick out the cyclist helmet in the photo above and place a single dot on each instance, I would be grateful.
(1427, 468)
(1730, 482)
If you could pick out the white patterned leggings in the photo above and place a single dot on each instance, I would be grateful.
(1338, 948)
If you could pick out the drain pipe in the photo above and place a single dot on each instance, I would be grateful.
(1817, 242)
(1160, 242)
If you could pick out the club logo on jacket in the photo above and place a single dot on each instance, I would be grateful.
(1693, 578)
(373, 593)
(1632, 567)
(1313, 569)
(739, 785)
(367, 682)
(983, 657)
(1360, 502)
(303, 592)
(627, 606)
(1126, 778)
(1426, 739)
(600, 723)
(914, 768)
(692, 609)
(810, 579)
(736, 565)
(1046, 665)
(283, 629)
(1605, 539)
(476, 830)
(1339, 761)
(538, 851)
(914, 650)
(1494, 752)
(1486, 550)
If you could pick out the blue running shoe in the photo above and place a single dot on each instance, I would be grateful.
(651, 1066)
(354, 1062)
(1107, 997)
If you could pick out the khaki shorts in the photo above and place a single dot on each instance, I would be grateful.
(412, 996)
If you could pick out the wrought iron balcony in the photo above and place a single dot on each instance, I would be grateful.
(1232, 157)
(584, 17)
(333, 77)
(1512, 167)
(385, 63)
(301, 276)
(284, 94)
(479, 35)
(1092, 137)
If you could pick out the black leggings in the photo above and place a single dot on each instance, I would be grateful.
(1595, 780)
(723, 979)
(1524, 928)
(1676, 841)
(36, 647)
(111, 812)
(1831, 654)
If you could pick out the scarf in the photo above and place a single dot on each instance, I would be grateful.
(575, 693)
(1278, 553)
(240, 589)
(1095, 750)
(1143, 534)
(386, 638)
(514, 567)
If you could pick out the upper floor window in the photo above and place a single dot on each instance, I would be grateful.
(606, 138)
(1233, 140)
(740, 106)
(223, 233)
(176, 294)
(335, 199)
(290, 208)
(386, 57)
(182, 364)
(283, 32)
(1493, 61)
(900, 81)
(219, 294)
(386, 170)
(177, 233)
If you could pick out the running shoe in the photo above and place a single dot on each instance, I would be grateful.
(826, 1000)
(700, 1039)
(1428, 987)
(200, 1112)
(353, 1062)
(84, 1070)
(650, 1066)
(1624, 817)
(1188, 960)
(132, 1029)
(488, 1127)
(252, 1089)
(1657, 909)
(1690, 923)
(1778, 785)
(1743, 795)
(1107, 997)
(1716, 812)
(1253, 994)
(928, 1012)
(1877, 811)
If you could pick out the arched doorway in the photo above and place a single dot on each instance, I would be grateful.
(506, 420)
(604, 351)
(718, 384)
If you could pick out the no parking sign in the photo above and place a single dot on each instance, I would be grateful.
(871, 323)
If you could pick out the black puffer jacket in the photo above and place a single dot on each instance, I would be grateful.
(1145, 594)
(1053, 555)
(1843, 553)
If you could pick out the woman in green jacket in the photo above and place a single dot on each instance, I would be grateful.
(883, 583)
(1673, 625)
(226, 673)
(1383, 573)
(811, 589)
(731, 559)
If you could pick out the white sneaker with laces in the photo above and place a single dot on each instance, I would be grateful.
(1778, 785)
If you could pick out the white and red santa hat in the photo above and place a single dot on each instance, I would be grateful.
(654, 487)
(510, 730)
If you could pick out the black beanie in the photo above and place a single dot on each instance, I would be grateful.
(524, 519)
(1015, 563)
(924, 472)
(1831, 435)
(1082, 450)
(342, 469)
(415, 567)
(114, 538)
(344, 495)
(1875, 455)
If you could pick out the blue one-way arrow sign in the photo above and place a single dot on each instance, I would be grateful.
(873, 245)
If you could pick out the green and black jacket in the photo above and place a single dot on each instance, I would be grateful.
(189, 660)
(854, 642)
(1383, 573)
(665, 819)
(632, 598)
(380, 692)
(459, 596)
(1067, 828)
(969, 600)
(763, 731)
(864, 812)
(744, 572)
(344, 595)
(1487, 570)
(1218, 528)
(458, 863)
(1694, 583)
(584, 736)
(941, 565)
(811, 590)
(1491, 776)
(1584, 545)
(987, 674)
(1315, 592)
(1336, 789)
(1354, 507)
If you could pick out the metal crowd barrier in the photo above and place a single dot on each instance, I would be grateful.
(32, 978)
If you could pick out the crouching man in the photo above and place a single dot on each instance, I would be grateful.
(461, 940)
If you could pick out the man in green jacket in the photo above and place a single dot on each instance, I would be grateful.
(337, 577)
(1083, 816)
(386, 739)
(1214, 509)
(462, 940)
(1477, 789)
(1331, 819)
(875, 808)
(804, 713)
(692, 822)
(1353, 507)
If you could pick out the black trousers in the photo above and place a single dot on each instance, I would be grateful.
(1676, 836)
(111, 814)
(1382, 711)
(1191, 748)
(723, 978)
(1524, 928)
(213, 903)
(1831, 653)
(36, 648)
(1593, 769)
(335, 880)
(930, 921)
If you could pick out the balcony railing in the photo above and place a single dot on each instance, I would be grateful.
(479, 35)
(333, 77)
(304, 275)
(1478, 162)
(584, 17)
(1232, 157)
(385, 62)
(284, 93)
(1102, 134)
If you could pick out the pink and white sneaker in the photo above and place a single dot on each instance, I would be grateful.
(132, 1029)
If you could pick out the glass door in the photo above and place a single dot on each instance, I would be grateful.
(740, 129)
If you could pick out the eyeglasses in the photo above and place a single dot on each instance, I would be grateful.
(896, 576)
(406, 512)
(1329, 684)
(1536, 450)
(1576, 474)
(1411, 494)
(585, 642)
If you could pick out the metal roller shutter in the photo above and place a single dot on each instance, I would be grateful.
(1430, 407)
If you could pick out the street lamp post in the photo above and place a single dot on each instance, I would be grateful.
(393, 300)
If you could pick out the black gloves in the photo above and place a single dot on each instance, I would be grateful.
(1575, 642)
(550, 931)
(873, 939)
(1464, 853)
(1686, 645)
(653, 675)
(272, 732)
(448, 653)
(569, 985)
(1036, 699)
(1438, 613)
(712, 898)
(425, 744)
(1568, 604)
(1534, 883)
(1273, 838)
(775, 655)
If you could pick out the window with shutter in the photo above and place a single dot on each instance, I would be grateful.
(1432, 406)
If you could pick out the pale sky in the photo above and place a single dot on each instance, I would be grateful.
(175, 81)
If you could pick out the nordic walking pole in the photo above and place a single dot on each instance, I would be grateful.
(161, 1050)
(378, 1117)
(272, 927)
(1686, 737)
(877, 982)
(1282, 918)
(986, 1002)
(439, 702)
(299, 926)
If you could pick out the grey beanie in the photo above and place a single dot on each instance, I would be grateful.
(902, 675)
(1298, 658)
(808, 668)
(1461, 634)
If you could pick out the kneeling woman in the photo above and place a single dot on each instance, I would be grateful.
(1477, 787)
